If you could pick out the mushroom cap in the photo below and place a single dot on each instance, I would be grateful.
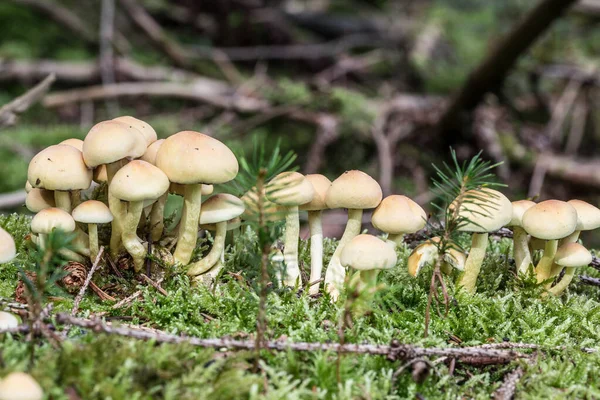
(221, 207)
(321, 185)
(28, 187)
(456, 258)
(572, 255)
(231, 224)
(73, 142)
(8, 320)
(92, 212)
(20, 386)
(550, 220)
(272, 211)
(487, 209)
(355, 190)
(100, 174)
(50, 218)
(290, 189)
(423, 254)
(398, 214)
(138, 181)
(588, 216)
(144, 127)
(366, 252)
(39, 199)
(191, 157)
(8, 250)
(151, 151)
(59, 167)
(111, 141)
(518, 209)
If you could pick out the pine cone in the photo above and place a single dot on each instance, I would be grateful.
(76, 274)
(21, 290)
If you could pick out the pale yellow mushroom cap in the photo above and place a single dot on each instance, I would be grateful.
(550, 220)
(138, 181)
(92, 212)
(111, 141)
(39, 199)
(272, 211)
(398, 214)
(50, 218)
(424, 254)
(20, 386)
(518, 209)
(354, 190)
(456, 258)
(28, 187)
(367, 252)
(59, 167)
(588, 216)
(488, 209)
(290, 189)
(144, 127)
(572, 255)
(8, 320)
(191, 157)
(77, 143)
(8, 251)
(321, 185)
(220, 208)
(151, 151)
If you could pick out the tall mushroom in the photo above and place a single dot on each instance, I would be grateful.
(8, 250)
(135, 183)
(110, 143)
(521, 252)
(484, 210)
(290, 189)
(92, 212)
(571, 256)
(369, 255)
(315, 207)
(192, 158)
(218, 210)
(549, 220)
(355, 191)
(398, 215)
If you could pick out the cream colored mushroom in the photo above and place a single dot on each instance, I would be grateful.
(92, 212)
(398, 215)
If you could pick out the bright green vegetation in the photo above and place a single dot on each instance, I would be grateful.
(98, 366)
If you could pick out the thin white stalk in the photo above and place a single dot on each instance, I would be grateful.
(129, 237)
(212, 257)
(93, 241)
(118, 210)
(81, 242)
(316, 249)
(544, 266)
(157, 223)
(188, 226)
(564, 282)
(468, 279)
(521, 249)
(62, 200)
(398, 239)
(290, 250)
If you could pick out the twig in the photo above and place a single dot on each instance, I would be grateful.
(12, 199)
(507, 390)
(155, 284)
(530, 346)
(9, 112)
(87, 281)
(101, 293)
(127, 300)
(588, 280)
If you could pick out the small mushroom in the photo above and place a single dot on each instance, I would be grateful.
(521, 252)
(424, 254)
(8, 320)
(315, 207)
(571, 256)
(92, 212)
(369, 255)
(214, 271)
(50, 219)
(588, 219)
(20, 386)
(145, 128)
(136, 182)
(355, 191)
(8, 250)
(39, 199)
(398, 215)
(77, 143)
(192, 158)
(290, 189)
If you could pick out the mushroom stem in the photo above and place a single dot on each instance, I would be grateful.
(290, 249)
(564, 282)
(212, 257)
(93, 238)
(157, 218)
(397, 238)
(118, 210)
(211, 275)
(572, 238)
(81, 242)
(188, 226)
(335, 274)
(62, 200)
(129, 236)
(468, 279)
(521, 249)
(40, 241)
(316, 249)
(544, 266)
(369, 277)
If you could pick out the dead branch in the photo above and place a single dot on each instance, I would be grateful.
(12, 199)
(507, 390)
(155, 285)
(87, 281)
(9, 112)
(588, 280)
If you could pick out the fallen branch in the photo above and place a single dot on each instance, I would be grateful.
(588, 280)
(507, 390)
(12, 199)
(156, 285)
(9, 112)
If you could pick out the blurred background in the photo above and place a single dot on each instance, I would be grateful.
(385, 86)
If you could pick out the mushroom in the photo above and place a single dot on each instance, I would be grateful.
(521, 252)
(147, 131)
(424, 254)
(212, 273)
(549, 220)
(110, 143)
(8, 250)
(39, 199)
(192, 158)
(290, 189)
(28, 187)
(49, 219)
(60, 168)
(369, 255)
(570, 255)
(315, 207)
(484, 210)
(397, 215)
(77, 143)
(20, 386)
(588, 219)
(218, 210)
(355, 191)
(92, 212)
(136, 182)
(8, 320)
